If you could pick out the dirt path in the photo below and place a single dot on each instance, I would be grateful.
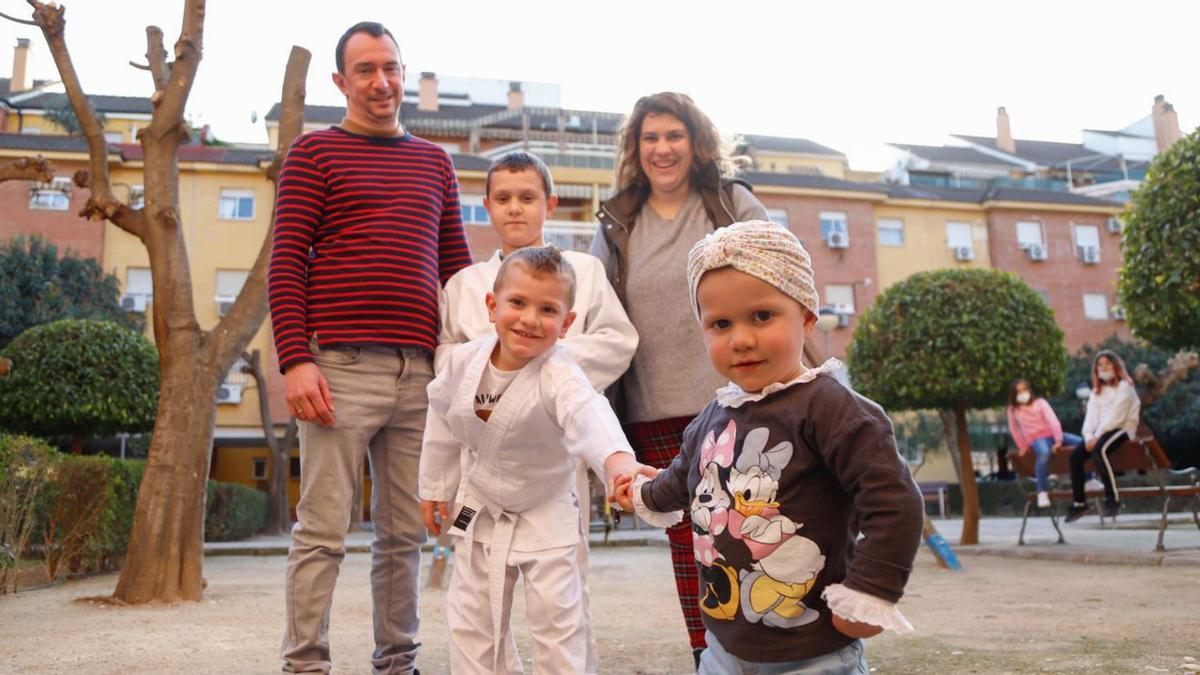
(1000, 615)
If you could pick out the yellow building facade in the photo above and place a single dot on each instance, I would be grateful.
(914, 235)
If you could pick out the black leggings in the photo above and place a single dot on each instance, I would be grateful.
(1108, 443)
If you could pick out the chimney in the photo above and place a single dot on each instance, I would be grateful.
(516, 97)
(1166, 123)
(20, 81)
(1004, 139)
(427, 93)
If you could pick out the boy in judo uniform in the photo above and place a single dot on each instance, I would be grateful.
(509, 416)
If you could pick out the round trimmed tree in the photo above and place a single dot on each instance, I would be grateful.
(1159, 282)
(953, 340)
(80, 378)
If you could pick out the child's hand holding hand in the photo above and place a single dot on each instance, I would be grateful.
(855, 629)
(429, 510)
(622, 492)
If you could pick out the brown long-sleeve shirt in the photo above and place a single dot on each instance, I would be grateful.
(776, 489)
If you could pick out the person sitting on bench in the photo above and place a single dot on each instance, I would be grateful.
(1110, 421)
(1034, 426)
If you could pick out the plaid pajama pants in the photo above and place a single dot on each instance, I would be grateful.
(656, 444)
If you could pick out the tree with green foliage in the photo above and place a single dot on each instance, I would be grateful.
(80, 378)
(37, 286)
(952, 340)
(1159, 282)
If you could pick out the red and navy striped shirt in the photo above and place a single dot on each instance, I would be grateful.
(367, 229)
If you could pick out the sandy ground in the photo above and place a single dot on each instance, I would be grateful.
(999, 615)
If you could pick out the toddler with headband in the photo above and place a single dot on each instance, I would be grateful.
(780, 473)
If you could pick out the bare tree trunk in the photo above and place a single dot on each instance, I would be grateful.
(950, 436)
(166, 547)
(165, 553)
(1156, 385)
(966, 479)
(279, 519)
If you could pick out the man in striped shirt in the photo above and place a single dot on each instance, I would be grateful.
(367, 228)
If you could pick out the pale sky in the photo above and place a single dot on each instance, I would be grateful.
(849, 75)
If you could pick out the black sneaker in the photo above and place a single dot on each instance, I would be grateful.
(1111, 509)
(696, 655)
(1076, 512)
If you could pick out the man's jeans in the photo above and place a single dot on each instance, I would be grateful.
(379, 403)
(1041, 448)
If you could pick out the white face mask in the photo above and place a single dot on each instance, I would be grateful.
(1023, 397)
(1105, 375)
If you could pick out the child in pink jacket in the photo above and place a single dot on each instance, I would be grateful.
(1033, 424)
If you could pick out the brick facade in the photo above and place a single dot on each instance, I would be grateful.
(1063, 277)
(65, 229)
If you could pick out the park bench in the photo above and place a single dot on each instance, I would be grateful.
(936, 492)
(1143, 454)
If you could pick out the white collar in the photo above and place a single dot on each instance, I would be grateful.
(733, 396)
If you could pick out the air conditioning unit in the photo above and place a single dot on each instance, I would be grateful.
(964, 253)
(1090, 255)
(223, 306)
(838, 239)
(1114, 225)
(229, 393)
(1036, 252)
(1117, 312)
(134, 302)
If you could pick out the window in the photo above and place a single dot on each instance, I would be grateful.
(1095, 306)
(840, 297)
(473, 212)
(236, 205)
(833, 221)
(294, 468)
(31, 130)
(1087, 236)
(137, 197)
(1029, 233)
(959, 235)
(230, 282)
(569, 235)
(259, 472)
(138, 282)
(778, 216)
(53, 196)
(113, 136)
(891, 232)
(139, 290)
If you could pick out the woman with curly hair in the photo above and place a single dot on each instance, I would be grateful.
(675, 184)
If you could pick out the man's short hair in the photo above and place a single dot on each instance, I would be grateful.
(519, 160)
(372, 28)
(540, 261)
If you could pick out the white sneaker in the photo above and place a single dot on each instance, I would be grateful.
(1043, 500)
(1093, 484)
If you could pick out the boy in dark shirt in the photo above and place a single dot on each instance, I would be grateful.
(776, 473)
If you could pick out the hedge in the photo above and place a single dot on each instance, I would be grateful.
(235, 511)
(75, 512)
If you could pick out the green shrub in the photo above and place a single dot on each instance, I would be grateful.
(235, 511)
(79, 377)
(87, 512)
(25, 464)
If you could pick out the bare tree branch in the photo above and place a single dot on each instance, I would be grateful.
(101, 204)
(250, 308)
(177, 85)
(27, 22)
(139, 66)
(156, 57)
(27, 168)
(1157, 384)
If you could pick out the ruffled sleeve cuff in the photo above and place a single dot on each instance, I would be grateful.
(654, 518)
(863, 608)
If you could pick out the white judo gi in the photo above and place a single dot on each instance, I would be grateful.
(602, 341)
(518, 477)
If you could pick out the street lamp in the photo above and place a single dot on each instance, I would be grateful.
(827, 320)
